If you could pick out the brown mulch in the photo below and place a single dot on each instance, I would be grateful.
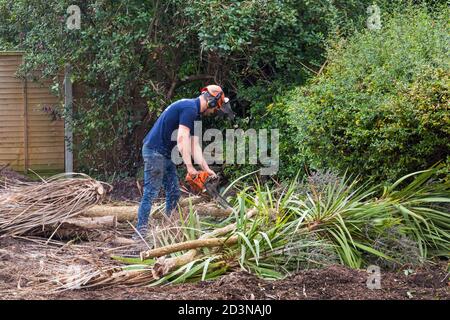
(334, 282)
(19, 264)
(126, 190)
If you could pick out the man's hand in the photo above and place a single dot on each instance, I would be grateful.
(192, 171)
(198, 156)
(210, 172)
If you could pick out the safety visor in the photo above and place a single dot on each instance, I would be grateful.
(226, 109)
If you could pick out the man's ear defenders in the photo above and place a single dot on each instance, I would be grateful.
(213, 101)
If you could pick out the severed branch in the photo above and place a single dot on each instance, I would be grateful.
(80, 227)
(129, 213)
(187, 245)
(165, 265)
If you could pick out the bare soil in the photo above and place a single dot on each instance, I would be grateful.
(22, 262)
(126, 190)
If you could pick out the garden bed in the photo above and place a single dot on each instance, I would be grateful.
(108, 266)
(19, 264)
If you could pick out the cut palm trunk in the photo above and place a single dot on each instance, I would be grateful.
(187, 245)
(212, 210)
(164, 265)
(79, 227)
(190, 201)
(89, 223)
(129, 213)
(122, 213)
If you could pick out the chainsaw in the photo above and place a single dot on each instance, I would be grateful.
(203, 182)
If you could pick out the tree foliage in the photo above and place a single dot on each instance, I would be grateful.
(134, 57)
(130, 59)
(381, 107)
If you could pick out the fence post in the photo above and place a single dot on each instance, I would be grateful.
(68, 105)
(25, 125)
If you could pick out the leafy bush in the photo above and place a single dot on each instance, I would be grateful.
(381, 106)
(135, 57)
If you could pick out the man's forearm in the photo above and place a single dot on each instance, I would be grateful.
(198, 156)
(184, 147)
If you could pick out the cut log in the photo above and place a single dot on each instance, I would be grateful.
(129, 213)
(91, 223)
(187, 245)
(83, 227)
(165, 265)
(193, 200)
(122, 213)
(212, 210)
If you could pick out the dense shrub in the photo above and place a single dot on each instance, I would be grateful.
(135, 57)
(381, 108)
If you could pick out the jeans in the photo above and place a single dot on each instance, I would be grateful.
(158, 171)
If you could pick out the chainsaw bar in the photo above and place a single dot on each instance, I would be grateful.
(211, 186)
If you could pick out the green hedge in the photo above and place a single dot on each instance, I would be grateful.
(381, 108)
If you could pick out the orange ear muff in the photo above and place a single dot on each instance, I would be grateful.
(213, 101)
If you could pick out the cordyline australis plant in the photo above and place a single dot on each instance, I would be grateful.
(344, 221)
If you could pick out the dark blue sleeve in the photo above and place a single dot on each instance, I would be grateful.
(188, 117)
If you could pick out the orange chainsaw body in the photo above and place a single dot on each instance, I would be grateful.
(203, 182)
(197, 183)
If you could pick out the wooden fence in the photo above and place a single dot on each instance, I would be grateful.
(29, 137)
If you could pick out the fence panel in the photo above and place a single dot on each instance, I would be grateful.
(30, 138)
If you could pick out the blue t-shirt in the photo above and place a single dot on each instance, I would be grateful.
(184, 112)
